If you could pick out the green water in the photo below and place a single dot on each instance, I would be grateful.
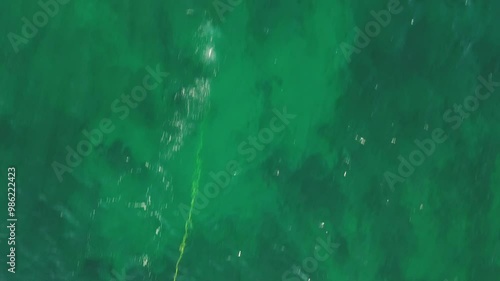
(281, 185)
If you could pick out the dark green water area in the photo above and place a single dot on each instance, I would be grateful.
(237, 140)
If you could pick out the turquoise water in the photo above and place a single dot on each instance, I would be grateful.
(238, 140)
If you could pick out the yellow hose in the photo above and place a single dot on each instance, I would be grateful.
(194, 193)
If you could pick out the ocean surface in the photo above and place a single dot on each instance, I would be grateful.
(235, 140)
